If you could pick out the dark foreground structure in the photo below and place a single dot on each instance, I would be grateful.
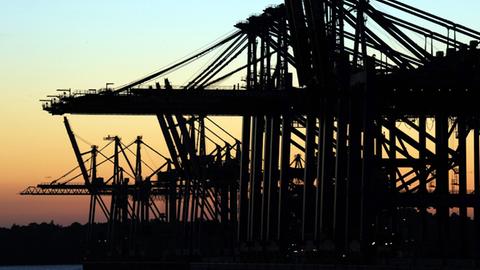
(360, 145)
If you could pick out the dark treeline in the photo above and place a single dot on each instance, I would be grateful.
(48, 243)
(45, 243)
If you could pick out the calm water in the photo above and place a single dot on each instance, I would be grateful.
(42, 267)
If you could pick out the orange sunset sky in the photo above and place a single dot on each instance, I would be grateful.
(50, 44)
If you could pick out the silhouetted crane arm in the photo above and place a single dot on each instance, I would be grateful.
(77, 152)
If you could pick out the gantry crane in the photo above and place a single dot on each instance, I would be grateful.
(376, 113)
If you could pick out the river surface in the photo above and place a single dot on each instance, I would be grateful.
(42, 267)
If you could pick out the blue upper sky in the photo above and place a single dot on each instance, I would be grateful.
(91, 42)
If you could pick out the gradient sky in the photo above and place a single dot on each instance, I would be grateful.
(46, 45)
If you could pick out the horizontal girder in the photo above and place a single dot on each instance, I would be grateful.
(396, 100)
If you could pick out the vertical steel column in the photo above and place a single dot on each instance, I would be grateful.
(272, 214)
(308, 209)
(244, 179)
(115, 201)
(462, 162)
(94, 163)
(143, 195)
(339, 203)
(93, 196)
(283, 210)
(233, 187)
(326, 190)
(250, 61)
(263, 50)
(318, 203)
(462, 180)
(91, 217)
(284, 177)
(368, 196)
(476, 179)
(282, 63)
(256, 178)
(267, 177)
(441, 151)
(257, 150)
(268, 64)
(354, 172)
(245, 176)
(368, 206)
(253, 64)
(264, 79)
(252, 176)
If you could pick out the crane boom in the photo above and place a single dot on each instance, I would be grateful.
(77, 152)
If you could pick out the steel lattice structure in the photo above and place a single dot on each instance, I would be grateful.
(381, 122)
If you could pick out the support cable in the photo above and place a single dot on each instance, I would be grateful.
(175, 66)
